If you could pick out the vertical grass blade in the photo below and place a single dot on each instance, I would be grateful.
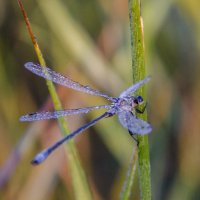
(80, 184)
(138, 67)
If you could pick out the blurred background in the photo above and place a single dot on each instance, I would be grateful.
(89, 41)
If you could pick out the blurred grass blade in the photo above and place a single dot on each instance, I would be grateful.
(129, 177)
(80, 185)
(138, 66)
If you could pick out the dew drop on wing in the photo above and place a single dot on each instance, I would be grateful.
(87, 86)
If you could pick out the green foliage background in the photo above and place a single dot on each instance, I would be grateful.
(90, 42)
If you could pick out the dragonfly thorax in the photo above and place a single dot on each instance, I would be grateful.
(126, 103)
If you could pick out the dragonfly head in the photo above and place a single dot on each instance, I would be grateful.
(138, 100)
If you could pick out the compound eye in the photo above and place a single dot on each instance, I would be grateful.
(139, 99)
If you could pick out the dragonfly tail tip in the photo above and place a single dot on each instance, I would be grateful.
(40, 157)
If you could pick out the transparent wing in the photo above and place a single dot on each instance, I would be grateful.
(40, 157)
(133, 124)
(134, 87)
(55, 114)
(62, 80)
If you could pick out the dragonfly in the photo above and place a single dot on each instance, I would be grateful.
(125, 106)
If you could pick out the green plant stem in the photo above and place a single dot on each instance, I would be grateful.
(80, 184)
(138, 66)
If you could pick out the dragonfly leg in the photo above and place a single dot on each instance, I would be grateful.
(141, 111)
(132, 135)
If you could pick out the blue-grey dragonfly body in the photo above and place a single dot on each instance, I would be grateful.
(124, 106)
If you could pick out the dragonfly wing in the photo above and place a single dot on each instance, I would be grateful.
(62, 80)
(60, 113)
(133, 124)
(134, 87)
